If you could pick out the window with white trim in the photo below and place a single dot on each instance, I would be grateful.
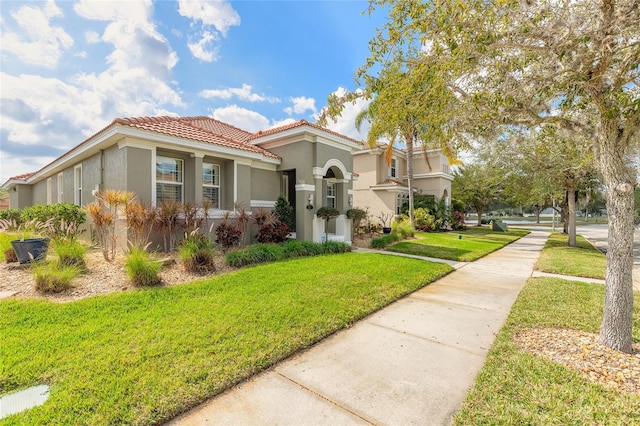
(60, 188)
(49, 189)
(393, 168)
(77, 185)
(331, 195)
(211, 184)
(401, 200)
(169, 179)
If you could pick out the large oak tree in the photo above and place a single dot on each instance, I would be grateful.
(570, 64)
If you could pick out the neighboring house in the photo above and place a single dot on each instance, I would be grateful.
(382, 188)
(4, 201)
(189, 159)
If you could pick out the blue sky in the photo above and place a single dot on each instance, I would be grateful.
(70, 67)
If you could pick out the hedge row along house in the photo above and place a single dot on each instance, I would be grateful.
(191, 159)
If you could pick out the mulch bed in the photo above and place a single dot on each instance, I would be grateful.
(581, 352)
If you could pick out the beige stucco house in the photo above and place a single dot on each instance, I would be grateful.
(382, 188)
(189, 159)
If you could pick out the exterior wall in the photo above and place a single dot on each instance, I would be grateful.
(21, 197)
(138, 172)
(39, 193)
(325, 153)
(299, 156)
(244, 184)
(366, 167)
(91, 178)
(115, 161)
(265, 185)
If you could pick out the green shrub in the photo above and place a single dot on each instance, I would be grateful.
(238, 258)
(262, 253)
(384, 241)
(284, 212)
(10, 215)
(331, 247)
(196, 254)
(70, 253)
(423, 220)
(63, 220)
(51, 278)
(298, 248)
(402, 227)
(141, 268)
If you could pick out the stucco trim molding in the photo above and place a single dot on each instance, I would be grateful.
(433, 175)
(320, 172)
(305, 187)
(262, 203)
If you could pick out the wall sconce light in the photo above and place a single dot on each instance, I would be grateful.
(350, 200)
(310, 200)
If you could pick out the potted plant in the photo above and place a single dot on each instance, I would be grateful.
(30, 249)
(327, 213)
(385, 218)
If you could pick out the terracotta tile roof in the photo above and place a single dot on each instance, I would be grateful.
(300, 123)
(23, 176)
(201, 129)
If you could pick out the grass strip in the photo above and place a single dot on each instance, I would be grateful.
(516, 388)
(463, 246)
(145, 356)
(584, 260)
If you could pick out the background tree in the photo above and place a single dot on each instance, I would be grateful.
(571, 65)
(397, 112)
(476, 185)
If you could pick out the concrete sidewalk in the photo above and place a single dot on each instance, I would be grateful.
(412, 362)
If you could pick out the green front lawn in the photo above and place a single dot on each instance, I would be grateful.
(143, 357)
(516, 388)
(475, 243)
(581, 261)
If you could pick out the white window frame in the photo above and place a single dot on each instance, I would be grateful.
(285, 186)
(215, 184)
(331, 194)
(77, 185)
(400, 200)
(393, 168)
(49, 189)
(60, 187)
(178, 182)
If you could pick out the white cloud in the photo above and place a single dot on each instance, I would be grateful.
(133, 11)
(39, 43)
(244, 93)
(243, 118)
(301, 104)
(92, 37)
(215, 18)
(281, 123)
(218, 14)
(346, 123)
(44, 117)
(247, 119)
(204, 49)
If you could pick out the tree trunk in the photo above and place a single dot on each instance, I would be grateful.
(409, 140)
(537, 215)
(479, 212)
(571, 201)
(617, 322)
